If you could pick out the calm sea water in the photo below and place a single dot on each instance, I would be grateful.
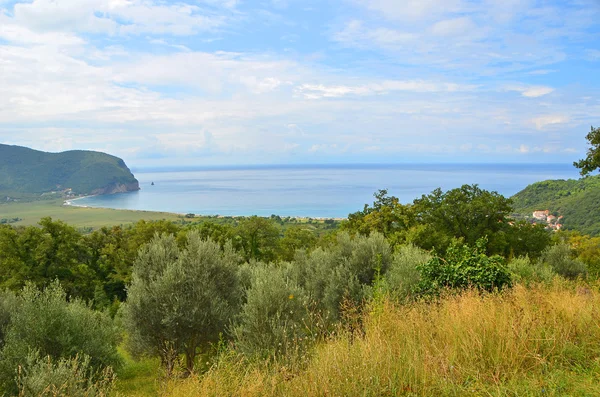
(323, 191)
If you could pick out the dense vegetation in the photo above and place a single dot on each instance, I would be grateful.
(575, 200)
(446, 295)
(26, 172)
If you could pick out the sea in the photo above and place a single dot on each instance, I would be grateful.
(323, 191)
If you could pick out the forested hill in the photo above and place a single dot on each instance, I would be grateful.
(577, 200)
(27, 172)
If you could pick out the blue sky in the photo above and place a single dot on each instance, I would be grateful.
(212, 82)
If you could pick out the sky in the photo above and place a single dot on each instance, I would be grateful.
(233, 82)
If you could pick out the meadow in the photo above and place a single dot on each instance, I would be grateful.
(530, 341)
(31, 213)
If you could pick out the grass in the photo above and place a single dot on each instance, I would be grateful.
(536, 341)
(137, 378)
(32, 212)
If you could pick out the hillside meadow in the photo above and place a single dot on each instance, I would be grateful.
(530, 341)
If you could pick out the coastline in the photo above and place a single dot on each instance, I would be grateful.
(70, 203)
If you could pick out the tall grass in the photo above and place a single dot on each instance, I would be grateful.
(541, 340)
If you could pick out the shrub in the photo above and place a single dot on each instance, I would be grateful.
(403, 275)
(560, 259)
(525, 271)
(341, 272)
(275, 320)
(8, 304)
(66, 377)
(464, 267)
(47, 323)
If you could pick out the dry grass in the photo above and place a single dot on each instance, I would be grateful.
(542, 340)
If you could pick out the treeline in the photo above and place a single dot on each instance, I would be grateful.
(96, 266)
(192, 292)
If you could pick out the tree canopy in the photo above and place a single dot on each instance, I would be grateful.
(592, 161)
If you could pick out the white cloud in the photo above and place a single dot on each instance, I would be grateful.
(531, 91)
(355, 33)
(541, 72)
(549, 120)
(486, 37)
(411, 10)
(317, 91)
(117, 16)
(453, 27)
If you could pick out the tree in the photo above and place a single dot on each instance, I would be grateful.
(468, 212)
(43, 254)
(592, 160)
(181, 300)
(386, 216)
(296, 238)
(259, 238)
(342, 272)
(275, 318)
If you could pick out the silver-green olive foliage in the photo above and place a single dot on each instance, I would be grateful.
(181, 300)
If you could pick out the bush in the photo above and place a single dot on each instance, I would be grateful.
(67, 377)
(46, 323)
(342, 272)
(403, 275)
(561, 261)
(464, 267)
(524, 271)
(8, 304)
(275, 319)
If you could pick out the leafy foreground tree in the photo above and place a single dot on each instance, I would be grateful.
(43, 321)
(181, 300)
(592, 161)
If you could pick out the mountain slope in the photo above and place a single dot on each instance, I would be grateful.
(577, 200)
(25, 171)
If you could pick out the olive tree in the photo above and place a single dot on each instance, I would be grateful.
(181, 300)
(275, 320)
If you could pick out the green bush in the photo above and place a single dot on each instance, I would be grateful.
(464, 266)
(403, 275)
(275, 319)
(342, 271)
(560, 259)
(66, 377)
(47, 323)
(527, 272)
(8, 304)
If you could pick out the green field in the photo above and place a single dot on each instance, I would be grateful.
(32, 212)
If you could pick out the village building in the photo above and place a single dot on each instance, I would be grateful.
(541, 214)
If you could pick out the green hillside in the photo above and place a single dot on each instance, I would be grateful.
(577, 200)
(26, 172)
